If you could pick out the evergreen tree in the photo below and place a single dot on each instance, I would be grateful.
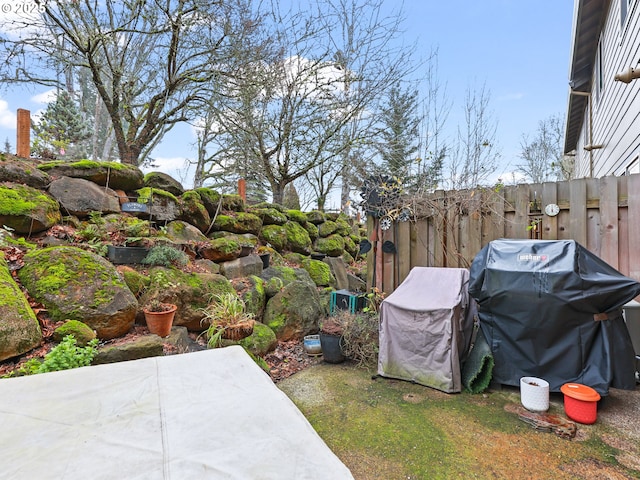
(60, 129)
(400, 134)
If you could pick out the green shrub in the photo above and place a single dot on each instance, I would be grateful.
(63, 356)
(165, 255)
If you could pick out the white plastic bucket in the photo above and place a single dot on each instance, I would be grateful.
(534, 394)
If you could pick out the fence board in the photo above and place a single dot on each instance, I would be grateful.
(633, 212)
(609, 220)
(578, 211)
(403, 246)
(549, 224)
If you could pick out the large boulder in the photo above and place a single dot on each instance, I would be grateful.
(251, 290)
(242, 267)
(333, 245)
(298, 239)
(274, 235)
(183, 232)
(220, 249)
(271, 216)
(119, 176)
(294, 311)
(287, 275)
(211, 200)
(191, 292)
(19, 327)
(327, 228)
(238, 222)
(81, 197)
(319, 272)
(162, 205)
(164, 182)
(74, 284)
(261, 341)
(22, 170)
(194, 211)
(26, 209)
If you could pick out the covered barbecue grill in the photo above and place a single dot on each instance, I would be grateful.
(553, 310)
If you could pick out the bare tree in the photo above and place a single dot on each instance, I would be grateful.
(543, 155)
(434, 147)
(301, 109)
(475, 155)
(151, 61)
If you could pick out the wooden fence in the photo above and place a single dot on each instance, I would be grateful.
(448, 228)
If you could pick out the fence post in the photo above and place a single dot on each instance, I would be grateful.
(242, 188)
(23, 140)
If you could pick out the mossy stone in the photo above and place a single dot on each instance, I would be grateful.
(261, 341)
(298, 239)
(297, 216)
(26, 209)
(238, 222)
(333, 245)
(319, 272)
(275, 235)
(80, 331)
(316, 217)
(312, 230)
(327, 228)
(233, 202)
(271, 216)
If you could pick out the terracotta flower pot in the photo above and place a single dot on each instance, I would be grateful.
(160, 322)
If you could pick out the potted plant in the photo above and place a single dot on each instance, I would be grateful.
(331, 340)
(159, 316)
(226, 318)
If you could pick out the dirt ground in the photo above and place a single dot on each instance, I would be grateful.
(390, 429)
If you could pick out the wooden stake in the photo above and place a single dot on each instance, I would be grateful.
(23, 141)
(242, 189)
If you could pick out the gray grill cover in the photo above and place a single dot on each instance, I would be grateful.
(425, 328)
(537, 300)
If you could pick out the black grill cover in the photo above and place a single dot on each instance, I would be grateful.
(552, 309)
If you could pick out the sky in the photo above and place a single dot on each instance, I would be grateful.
(518, 49)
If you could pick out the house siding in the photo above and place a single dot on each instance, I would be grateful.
(616, 109)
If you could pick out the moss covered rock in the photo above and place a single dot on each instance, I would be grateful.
(19, 327)
(116, 175)
(262, 341)
(350, 246)
(233, 202)
(327, 228)
(287, 275)
(298, 239)
(333, 245)
(80, 331)
(26, 209)
(243, 239)
(297, 216)
(220, 249)
(210, 199)
(319, 272)
(316, 217)
(312, 230)
(343, 225)
(272, 286)
(74, 284)
(238, 222)
(163, 181)
(162, 205)
(191, 292)
(275, 235)
(180, 231)
(252, 292)
(192, 210)
(136, 281)
(294, 311)
(270, 216)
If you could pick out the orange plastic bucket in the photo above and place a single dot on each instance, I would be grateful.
(580, 402)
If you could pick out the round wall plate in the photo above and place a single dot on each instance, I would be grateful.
(552, 209)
